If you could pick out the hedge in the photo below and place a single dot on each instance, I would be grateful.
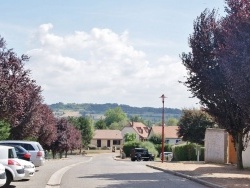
(187, 152)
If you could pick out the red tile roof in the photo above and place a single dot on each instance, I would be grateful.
(169, 131)
(140, 128)
(108, 134)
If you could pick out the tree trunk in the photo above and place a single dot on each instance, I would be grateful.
(239, 149)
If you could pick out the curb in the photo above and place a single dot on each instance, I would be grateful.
(212, 185)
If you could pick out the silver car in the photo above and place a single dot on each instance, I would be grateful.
(34, 148)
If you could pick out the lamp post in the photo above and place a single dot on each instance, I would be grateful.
(163, 140)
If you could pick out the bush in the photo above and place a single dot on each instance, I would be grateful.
(167, 147)
(187, 152)
(92, 147)
(150, 146)
(136, 144)
(130, 145)
(105, 148)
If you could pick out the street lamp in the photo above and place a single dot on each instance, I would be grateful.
(163, 140)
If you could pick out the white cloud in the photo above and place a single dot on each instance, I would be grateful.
(102, 67)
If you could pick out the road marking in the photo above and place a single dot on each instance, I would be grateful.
(55, 179)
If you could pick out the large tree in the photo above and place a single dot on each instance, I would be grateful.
(193, 124)
(20, 97)
(85, 125)
(114, 115)
(47, 132)
(207, 78)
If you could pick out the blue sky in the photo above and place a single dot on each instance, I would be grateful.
(108, 51)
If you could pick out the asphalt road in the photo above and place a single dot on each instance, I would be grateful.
(101, 171)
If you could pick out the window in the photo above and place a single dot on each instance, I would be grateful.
(167, 141)
(116, 142)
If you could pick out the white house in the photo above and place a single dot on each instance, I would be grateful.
(141, 131)
(170, 133)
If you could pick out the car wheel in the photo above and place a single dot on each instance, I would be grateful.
(8, 179)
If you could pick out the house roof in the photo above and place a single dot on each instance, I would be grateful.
(108, 134)
(169, 131)
(141, 129)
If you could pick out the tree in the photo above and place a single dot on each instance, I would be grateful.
(84, 124)
(47, 132)
(100, 124)
(114, 115)
(207, 78)
(118, 125)
(156, 139)
(60, 144)
(4, 130)
(129, 137)
(172, 121)
(20, 97)
(193, 124)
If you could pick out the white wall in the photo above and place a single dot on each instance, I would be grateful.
(216, 146)
(246, 157)
(129, 130)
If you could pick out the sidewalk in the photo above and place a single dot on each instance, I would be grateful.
(211, 175)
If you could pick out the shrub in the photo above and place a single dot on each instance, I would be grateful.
(130, 145)
(187, 152)
(167, 147)
(150, 146)
(92, 147)
(136, 144)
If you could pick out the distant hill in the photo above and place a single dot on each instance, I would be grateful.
(97, 110)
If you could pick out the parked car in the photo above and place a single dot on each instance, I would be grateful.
(167, 155)
(141, 154)
(13, 167)
(2, 175)
(20, 151)
(34, 148)
(29, 168)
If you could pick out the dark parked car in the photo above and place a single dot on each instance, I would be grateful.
(20, 151)
(141, 154)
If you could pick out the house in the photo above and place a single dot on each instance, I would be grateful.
(170, 133)
(141, 131)
(107, 138)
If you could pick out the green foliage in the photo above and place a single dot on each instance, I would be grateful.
(149, 115)
(193, 124)
(150, 146)
(172, 121)
(114, 115)
(118, 125)
(186, 152)
(4, 130)
(136, 144)
(167, 147)
(130, 145)
(92, 147)
(156, 139)
(84, 124)
(100, 124)
(129, 137)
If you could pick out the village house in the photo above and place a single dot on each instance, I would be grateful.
(107, 138)
(170, 133)
(141, 131)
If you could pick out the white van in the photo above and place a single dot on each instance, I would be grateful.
(34, 148)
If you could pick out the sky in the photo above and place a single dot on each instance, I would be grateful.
(105, 51)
